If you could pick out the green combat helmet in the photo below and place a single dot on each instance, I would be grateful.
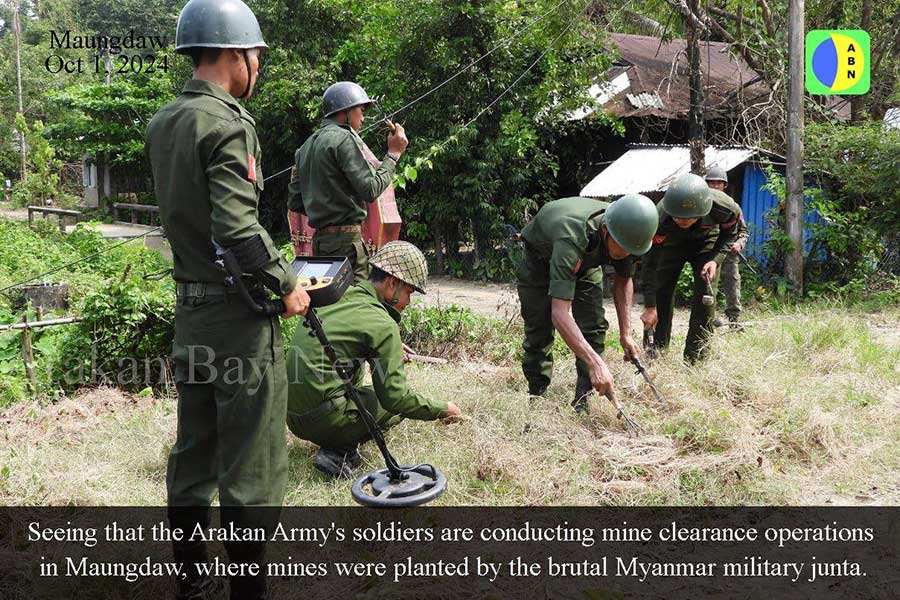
(342, 96)
(688, 197)
(716, 173)
(631, 221)
(405, 262)
(217, 24)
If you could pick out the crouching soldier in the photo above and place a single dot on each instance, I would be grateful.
(560, 285)
(698, 226)
(363, 327)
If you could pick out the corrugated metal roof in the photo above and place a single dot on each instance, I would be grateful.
(645, 100)
(642, 170)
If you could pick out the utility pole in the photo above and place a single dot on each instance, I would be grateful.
(696, 129)
(793, 263)
(23, 173)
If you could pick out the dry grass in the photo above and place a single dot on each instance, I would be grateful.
(800, 409)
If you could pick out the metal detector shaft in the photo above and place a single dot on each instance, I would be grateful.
(315, 325)
(747, 262)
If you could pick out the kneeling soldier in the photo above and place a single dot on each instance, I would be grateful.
(560, 284)
(697, 225)
(362, 327)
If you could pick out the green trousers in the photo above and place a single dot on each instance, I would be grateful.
(587, 310)
(731, 285)
(700, 326)
(338, 426)
(232, 401)
(344, 244)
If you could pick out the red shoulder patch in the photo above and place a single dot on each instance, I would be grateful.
(251, 167)
(659, 239)
(577, 266)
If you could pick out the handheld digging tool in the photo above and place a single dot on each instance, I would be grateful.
(326, 279)
(629, 423)
(708, 298)
(748, 263)
(650, 343)
(642, 370)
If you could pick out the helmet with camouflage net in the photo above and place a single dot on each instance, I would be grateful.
(687, 197)
(631, 221)
(716, 173)
(217, 24)
(404, 261)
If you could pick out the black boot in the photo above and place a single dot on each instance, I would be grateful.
(250, 587)
(583, 389)
(195, 586)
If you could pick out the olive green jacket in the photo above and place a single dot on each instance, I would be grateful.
(332, 182)
(362, 329)
(709, 239)
(563, 234)
(206, 163)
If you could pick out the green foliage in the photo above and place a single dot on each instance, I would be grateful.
(42, 183)
(456, 332)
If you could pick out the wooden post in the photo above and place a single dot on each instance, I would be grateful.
(793, 263)
(28, 356)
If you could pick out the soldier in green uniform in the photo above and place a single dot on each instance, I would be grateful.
(229, 361)
(560, 284)
(717, 179)
(697, 225)
(332, 182)
(362, 327)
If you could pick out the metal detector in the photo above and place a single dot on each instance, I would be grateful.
(325, 280)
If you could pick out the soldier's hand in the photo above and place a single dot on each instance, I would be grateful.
(396, 140)
(406, 352)
(737, 247)
(708, 272)
(602, 379)
(649, 317)
(453, 414)
(630, 349)
(295, 303)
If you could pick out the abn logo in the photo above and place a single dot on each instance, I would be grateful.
(837, 61)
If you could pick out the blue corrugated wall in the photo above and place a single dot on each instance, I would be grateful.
(755, 203)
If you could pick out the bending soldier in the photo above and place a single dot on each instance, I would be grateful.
(362, 327)
(697, 225)
(560, 285)
(332, 182)
(717, 179)
(205, 159)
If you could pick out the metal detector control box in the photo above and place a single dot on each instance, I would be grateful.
(324, 278)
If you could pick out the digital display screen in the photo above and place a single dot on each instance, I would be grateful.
(317, 270)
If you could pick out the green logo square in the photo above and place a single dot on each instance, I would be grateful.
(837, 62)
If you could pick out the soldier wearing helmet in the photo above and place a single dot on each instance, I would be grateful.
(697, 225)
(207, 172)
(717, 179)
(332, 182)
(363, 327)
(560, 285)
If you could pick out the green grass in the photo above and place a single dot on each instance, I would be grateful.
(802, 408)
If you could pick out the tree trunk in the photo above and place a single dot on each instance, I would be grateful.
(858, 102)
(793, 263)
(438, 249)
(23, 173)
(695, 114)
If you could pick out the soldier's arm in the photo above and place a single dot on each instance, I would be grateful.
(367, 182)
(730, 220)
(233, 198)
(389, 378)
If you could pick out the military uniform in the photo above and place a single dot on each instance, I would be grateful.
(361, 328)
(731, 286)
(563, 259)
(707, 239)
(229, 361)
(332, 185)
